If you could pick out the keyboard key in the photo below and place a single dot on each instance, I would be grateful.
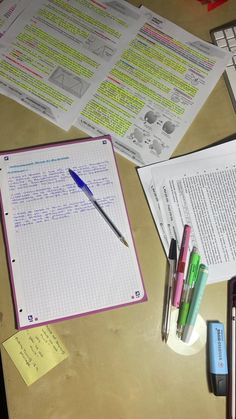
(219, 35)
(229, 33)
(221, 43)
(225, 37)
(232, 42)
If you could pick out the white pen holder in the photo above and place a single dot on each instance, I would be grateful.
(197, 341)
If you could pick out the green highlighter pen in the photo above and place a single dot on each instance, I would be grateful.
(192, 272)
(195, 302)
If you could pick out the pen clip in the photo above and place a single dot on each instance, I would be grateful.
(181, 266)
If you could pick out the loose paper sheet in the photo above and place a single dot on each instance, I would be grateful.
(200, 190)
(110, 67)
(154, 91)
(64, 259)
(9, 12)
(57, 50)
(35, 352)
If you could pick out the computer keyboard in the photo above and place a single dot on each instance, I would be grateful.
(225, 37)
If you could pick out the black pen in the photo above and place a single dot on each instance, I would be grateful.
(172, 258)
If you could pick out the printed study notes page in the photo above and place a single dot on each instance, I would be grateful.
(56, 51)
(154, 91)
(110, 67)
(64, 259)
(198, 189)
(9, 12)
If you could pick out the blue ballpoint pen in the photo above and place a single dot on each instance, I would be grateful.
(82, 185)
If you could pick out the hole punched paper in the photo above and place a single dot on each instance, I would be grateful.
(63, 258)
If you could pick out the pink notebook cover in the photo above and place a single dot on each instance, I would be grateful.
(64, 260)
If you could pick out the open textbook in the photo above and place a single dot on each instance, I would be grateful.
(198, 189)
(63, 258)
(109, 67)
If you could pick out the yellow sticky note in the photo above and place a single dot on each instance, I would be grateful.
(35, 352)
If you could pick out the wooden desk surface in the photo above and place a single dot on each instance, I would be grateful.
(118, 366)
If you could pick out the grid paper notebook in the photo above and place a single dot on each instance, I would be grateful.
(64, 259)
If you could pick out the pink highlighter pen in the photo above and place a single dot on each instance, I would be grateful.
(179, 279)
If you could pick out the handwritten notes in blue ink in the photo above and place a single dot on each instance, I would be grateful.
(64, 259)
